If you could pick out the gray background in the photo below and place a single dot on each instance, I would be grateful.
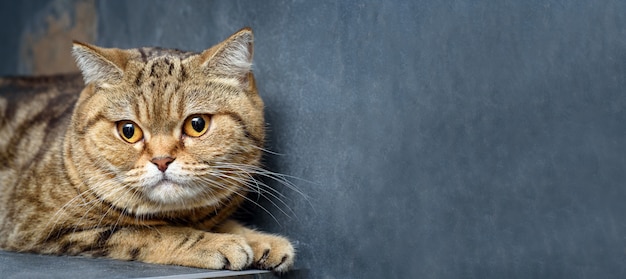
(433, 139)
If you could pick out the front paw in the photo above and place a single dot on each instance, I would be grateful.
(229, 252)
(271, 252)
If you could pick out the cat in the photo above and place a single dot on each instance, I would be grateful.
(142, 156)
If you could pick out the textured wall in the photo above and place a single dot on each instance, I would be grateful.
(442, 139)
(37, 35)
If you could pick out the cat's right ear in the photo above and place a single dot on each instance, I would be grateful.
(100, 66)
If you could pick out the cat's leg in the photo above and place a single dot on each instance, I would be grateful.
(162, 245)
(270, 251)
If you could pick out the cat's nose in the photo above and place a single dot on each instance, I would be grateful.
(162, 162)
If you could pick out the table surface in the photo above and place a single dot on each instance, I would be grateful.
(21, 265)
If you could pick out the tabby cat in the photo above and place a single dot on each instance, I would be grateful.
(145, 160)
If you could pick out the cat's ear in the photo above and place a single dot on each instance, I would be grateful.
(100, 66)
(232, 57)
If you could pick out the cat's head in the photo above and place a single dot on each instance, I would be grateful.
(161, 129)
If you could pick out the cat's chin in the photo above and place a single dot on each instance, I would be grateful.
(169, 192)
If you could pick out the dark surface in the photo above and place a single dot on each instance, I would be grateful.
(29, 266)
(443, 139)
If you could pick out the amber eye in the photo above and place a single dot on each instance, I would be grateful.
(196, 125)
(129, 131)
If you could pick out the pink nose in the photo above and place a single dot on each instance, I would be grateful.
(162, 162)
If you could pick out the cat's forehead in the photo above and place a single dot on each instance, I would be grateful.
(157, 66)
(146, 54)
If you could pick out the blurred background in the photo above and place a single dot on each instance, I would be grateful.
(429, 139)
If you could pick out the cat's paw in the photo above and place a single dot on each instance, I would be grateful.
(229, 252)
(271, 252)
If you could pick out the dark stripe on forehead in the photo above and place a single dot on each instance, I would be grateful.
(153, 72)
(138, 80)
(163, 67)
(183, 73)
(144, 58)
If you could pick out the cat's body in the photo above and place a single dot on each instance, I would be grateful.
(146, 162)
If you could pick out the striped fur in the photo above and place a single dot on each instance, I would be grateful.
(70, 184)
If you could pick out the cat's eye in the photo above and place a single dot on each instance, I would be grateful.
(196, 125)
(129, 131)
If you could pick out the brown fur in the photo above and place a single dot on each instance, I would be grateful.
(70, 184)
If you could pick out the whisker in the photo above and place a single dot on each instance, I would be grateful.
(261, 190)
(244, 175)
(77, 201)
(281, 178)
(219, 186)
(267, 150)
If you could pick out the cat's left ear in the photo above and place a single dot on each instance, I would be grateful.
(232, 57)
(100, 66)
